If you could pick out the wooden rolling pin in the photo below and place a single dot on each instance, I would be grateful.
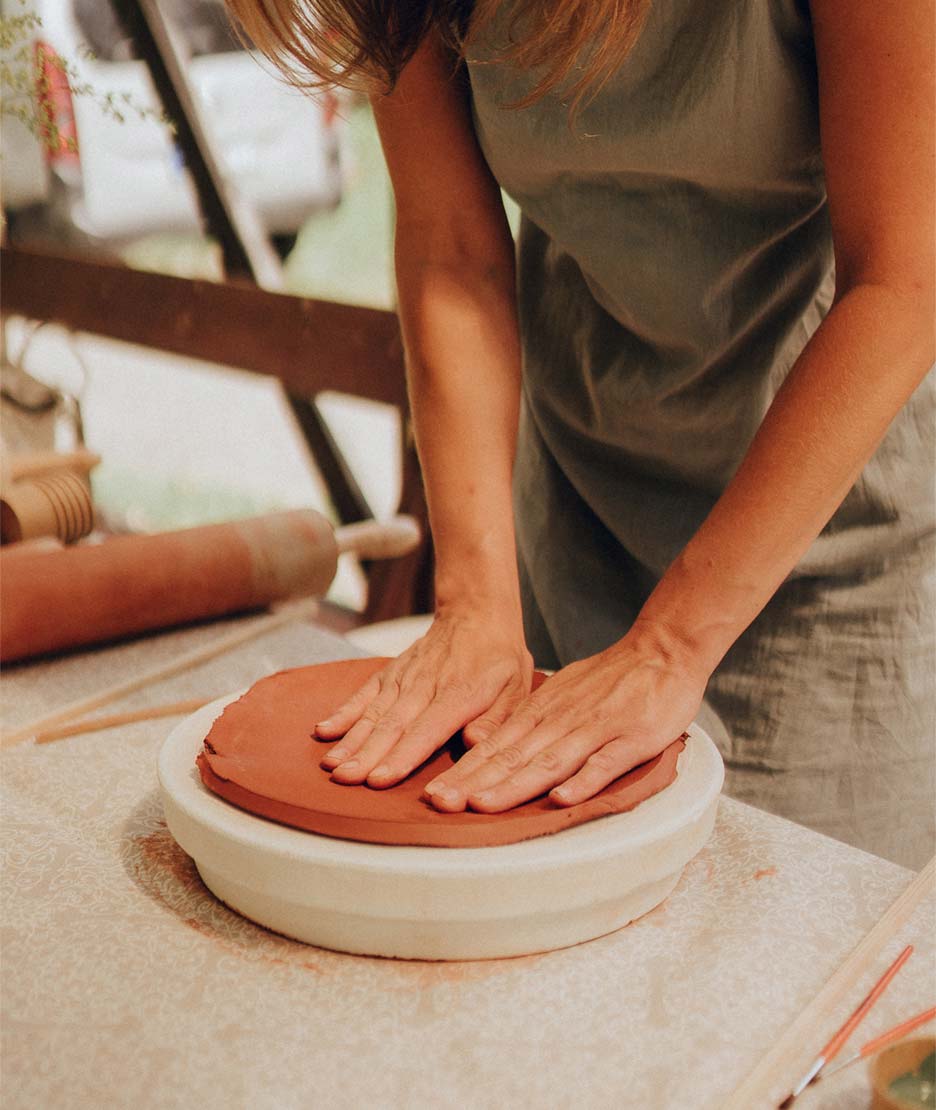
(52, 600)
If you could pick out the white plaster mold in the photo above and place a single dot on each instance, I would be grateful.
(440, 903)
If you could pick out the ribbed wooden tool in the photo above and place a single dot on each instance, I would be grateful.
(46, 494)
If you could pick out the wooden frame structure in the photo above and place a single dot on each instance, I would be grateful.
(310, 345)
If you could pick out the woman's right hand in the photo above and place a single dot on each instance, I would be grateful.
(468, 672)
(456, 285)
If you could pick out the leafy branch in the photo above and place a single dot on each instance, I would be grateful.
(32, 76)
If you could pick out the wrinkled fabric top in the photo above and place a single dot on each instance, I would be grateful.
(675, 255)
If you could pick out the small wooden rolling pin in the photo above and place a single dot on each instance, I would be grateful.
(52, 600)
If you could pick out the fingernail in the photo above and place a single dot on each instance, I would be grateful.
(380, 772)
(338, 753)
(445, 793)
(431, 788)
(560, 794)
(324, 724)
(351, 765)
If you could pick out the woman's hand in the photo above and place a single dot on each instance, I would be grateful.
(469, 671)
(588, 725)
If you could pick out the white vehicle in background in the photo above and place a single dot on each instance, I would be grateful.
(279, 148)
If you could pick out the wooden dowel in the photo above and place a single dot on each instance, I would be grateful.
(18, 467)
(774, 1076)
(81, 708)
(113, 720)
(380, 539)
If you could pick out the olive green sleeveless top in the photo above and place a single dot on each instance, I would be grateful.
(674, 257)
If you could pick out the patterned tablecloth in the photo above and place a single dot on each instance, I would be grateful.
(125, 984)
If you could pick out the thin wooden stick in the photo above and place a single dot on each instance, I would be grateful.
(380, 539)
(773, 1077)
(113, 720)
(81, 708)
(41, 462)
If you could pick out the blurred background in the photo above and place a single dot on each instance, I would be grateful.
(185, 441)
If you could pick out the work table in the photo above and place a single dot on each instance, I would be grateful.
(126, 984)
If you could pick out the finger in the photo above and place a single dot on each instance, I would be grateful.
(356, 736)
(501, 770)
(381, 739)
(601, 768)
(499, 757)
(431, 729)
(549, 767)
(447, 792)
(353, 740)
(494, 717)
(523, 721)
(338, 723)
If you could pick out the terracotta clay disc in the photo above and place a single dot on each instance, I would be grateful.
(260, 754)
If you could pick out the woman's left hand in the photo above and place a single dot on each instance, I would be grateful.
(589, 724)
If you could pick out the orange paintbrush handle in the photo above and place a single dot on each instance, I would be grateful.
(898, 1031)
(881, 1042)
(835, 1045)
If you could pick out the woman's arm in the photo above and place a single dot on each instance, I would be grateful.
(457, 303)
(871, 351)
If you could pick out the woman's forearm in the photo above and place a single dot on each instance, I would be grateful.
(875, 70)
(862, 364)
(459, 324)
(457, 303)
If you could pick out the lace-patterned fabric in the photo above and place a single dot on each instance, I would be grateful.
(125, 984)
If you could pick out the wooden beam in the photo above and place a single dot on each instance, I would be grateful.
(309, 345)
(244, 245)
(400, 587)
(346, 495)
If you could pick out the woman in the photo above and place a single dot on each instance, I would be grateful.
(722, 485)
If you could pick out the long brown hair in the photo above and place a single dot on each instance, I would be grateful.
(574, 44)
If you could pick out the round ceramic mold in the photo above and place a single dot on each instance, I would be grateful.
(439, 903)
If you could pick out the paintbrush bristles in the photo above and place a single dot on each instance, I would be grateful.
(882, 1041)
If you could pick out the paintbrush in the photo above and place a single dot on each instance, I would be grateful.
(882, 1041)
(835, 1045)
